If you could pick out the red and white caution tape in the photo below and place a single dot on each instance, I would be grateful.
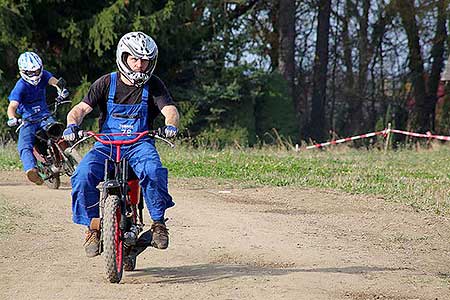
(357, 137)
(384, 132)
(427, 135)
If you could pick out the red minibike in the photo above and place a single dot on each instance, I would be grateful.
(121, 205)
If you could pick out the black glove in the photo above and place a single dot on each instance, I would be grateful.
(63, 93)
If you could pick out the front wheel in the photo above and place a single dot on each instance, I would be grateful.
(52, 180)
(112, 239)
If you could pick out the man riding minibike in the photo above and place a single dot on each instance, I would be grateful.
(128, 101)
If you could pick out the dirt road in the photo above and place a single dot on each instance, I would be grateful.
(234, 243)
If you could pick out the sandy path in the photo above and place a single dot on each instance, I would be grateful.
(234, 243)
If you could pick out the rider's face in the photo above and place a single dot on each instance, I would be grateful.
(137, 64)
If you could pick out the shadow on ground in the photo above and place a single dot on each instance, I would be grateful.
(214, 272)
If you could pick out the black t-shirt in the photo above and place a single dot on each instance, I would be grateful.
(158, 96)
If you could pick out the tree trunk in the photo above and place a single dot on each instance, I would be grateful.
(420, 118)
(286, 29)
(317, 124)
(437, 56)
(347, 44)
(273, 37)
(286, 61)
(349, 84)
(364, 59)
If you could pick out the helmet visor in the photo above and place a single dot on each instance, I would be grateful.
(32, 73)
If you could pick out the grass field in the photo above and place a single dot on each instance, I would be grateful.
(420, 178)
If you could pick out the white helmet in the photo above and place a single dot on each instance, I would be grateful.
(30, 67)
(141, 46)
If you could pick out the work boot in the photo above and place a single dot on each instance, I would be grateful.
(129, 263)
(92, 243)
(160, 237)
(129, 259)
(33, 176)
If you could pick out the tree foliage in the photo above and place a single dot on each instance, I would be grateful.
(229, 64)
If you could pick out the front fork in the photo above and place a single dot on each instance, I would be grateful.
(117, 184)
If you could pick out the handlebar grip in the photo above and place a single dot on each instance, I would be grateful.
(81, 134)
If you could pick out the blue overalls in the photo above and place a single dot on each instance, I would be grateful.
(33, 109)
(142, 156)
(27, 137)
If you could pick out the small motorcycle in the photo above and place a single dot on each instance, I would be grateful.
(52, 152)
(121, 205)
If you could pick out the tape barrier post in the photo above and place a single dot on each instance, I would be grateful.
(388, 138)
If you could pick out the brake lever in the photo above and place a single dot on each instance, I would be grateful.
(20, 126)
(59, 100)
(78, 142)
(172, 145)
(84, 134)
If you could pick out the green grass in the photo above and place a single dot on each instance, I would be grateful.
(418, 178)
(9, 157)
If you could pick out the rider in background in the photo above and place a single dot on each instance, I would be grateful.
(128, 101)
(28, 99)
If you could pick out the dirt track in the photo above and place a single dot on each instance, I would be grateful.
(230, 243)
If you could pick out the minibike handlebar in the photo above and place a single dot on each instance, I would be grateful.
(21, 122)
(100, 137)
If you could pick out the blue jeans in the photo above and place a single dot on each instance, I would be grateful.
(143, 158)
(27, 138)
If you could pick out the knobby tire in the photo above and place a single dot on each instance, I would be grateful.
(112, 239)
(53, 180)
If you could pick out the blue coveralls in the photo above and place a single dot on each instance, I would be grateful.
(142, 156)
(32, 107)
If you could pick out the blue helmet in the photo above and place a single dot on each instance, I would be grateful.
(30, 67)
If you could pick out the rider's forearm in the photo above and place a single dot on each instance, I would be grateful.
(172, 117)
(12, 107)
(75, 116)
(78, 112)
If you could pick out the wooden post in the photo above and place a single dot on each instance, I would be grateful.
(388, 138)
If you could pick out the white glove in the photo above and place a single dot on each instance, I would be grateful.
(170, 131)
(12, 122)
(64, 93)
(71, 132)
